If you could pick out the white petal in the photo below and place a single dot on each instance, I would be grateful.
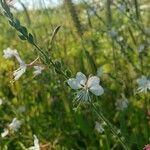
(19, 72)
(97, 90)
(93, 81)
(38, 70)
(5, 133)
(74, 84)
(81, 78)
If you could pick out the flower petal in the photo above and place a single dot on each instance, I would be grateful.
(97, 90)
(5, 133)
(74, 84)
(93, 81)
(81, 78)
(19, 72)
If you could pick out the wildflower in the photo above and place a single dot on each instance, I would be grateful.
(21, 109)
(20, 71)
(98, 127)
(12, 127)
(15, 125)
(5, 133)
(8, 53)
(144, 84)
(146, 147)
(85, 86)
(141, 48)
(36, 144)
(122, 103)
(38, 70)
(122, 7)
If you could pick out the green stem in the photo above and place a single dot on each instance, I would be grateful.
(101, 116)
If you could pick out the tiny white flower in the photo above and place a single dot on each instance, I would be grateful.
(143, 84)
(85, 86)
(98, 127)
(38, 70)
(113, 33)
(20, 71)
(122, 103)
(122, 7)
(8, 53)
(21, 109)
(141, 48)
(14, 125)
(5, 133)
(36, 144)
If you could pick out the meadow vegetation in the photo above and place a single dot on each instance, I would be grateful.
(57, 107)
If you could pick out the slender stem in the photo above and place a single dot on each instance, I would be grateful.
(101, 116)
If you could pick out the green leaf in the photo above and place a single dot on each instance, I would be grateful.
(30, 38)
(23, 30)
(22, 37)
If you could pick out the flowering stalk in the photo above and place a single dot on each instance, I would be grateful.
(114, 132)
(25, 36)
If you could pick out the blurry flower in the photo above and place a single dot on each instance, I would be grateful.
(122, 7)
(119, 38)
(98, 127)
(15, 125)
(20, 71)
(8, 53)
(12, 127)
(113, 33)
(36, 144)
(144, 84)
(5, 133)
(141, 48)
(85, 86)
(122, 103)
(38, 70)
(21, 109)
(146, 147)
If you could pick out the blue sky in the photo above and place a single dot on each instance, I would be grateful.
(37, 3)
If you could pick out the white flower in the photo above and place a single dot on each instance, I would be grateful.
(85, 86)
(122, 7)
(8, 53)
(144, 84)
(36, 144)
(5, 133)
(122, 103)
(21, 109)
(98, 127)
(141, 48)
(14, 125)
(20, 71)
(38, 70)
